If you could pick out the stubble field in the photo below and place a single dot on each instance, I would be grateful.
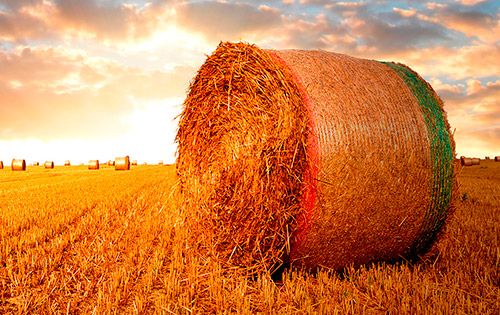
(75, 241)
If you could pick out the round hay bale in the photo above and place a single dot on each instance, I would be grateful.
(161, 162)
(111, 163)
(487, 158)
(49, 164)
(476, 161)
(18, 165)
(1, 165)
(122, 163)
(313, 158)
(134, 162)
(67, 163)
(36, 164)
(497, 158)
(465, 161)
(93, 164)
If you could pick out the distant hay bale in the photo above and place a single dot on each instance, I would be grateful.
(18, 165)
(122, 163)
(487, 158)
(111, 163)
(476, 161)
(161, 162)
(497, 158)
(93, 164)
(67, 163)
(49, 164)
(36, 164)
(1, 165)
(312, 157)
(134, 162)
(465, 161)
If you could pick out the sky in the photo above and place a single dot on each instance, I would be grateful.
(94, 79)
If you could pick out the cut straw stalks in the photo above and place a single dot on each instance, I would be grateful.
(18, 165)
(312, 158)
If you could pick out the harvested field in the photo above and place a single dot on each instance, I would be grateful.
(74, 241)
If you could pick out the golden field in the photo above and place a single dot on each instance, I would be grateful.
(76, 241)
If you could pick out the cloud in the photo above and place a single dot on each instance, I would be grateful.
(227, 21)
(50, 93)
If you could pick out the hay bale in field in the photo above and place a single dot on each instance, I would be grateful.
(465, 161)
(36, 164)
(93, 164)
(122, 163)
(49, 164)
(111, 163)
(1, 165)
(67, 163)
(487, 158)
(312, 157)
(161, 162)
(18, 165)
(134, 162)
(476, 161)
(497, 158)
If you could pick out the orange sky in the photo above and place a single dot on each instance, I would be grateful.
(94, 79)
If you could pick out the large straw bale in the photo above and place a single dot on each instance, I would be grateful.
(49, 164)
(465, 161)
(18, 165)
(1, 165)
(312, 158)
(93, 164)
(476, 161)
(122, 163)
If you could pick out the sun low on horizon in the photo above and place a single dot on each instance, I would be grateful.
(82, 80)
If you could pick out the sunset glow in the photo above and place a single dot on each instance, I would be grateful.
(94, 79)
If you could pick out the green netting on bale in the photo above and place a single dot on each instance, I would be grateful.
(441, 154)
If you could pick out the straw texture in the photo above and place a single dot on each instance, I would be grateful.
(122, 163)
(18, 165)
(312, 158)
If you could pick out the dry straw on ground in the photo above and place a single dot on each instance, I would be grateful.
(93, 164)
(122, 163)
(312, 158)
(18, 165)
(49, 164)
